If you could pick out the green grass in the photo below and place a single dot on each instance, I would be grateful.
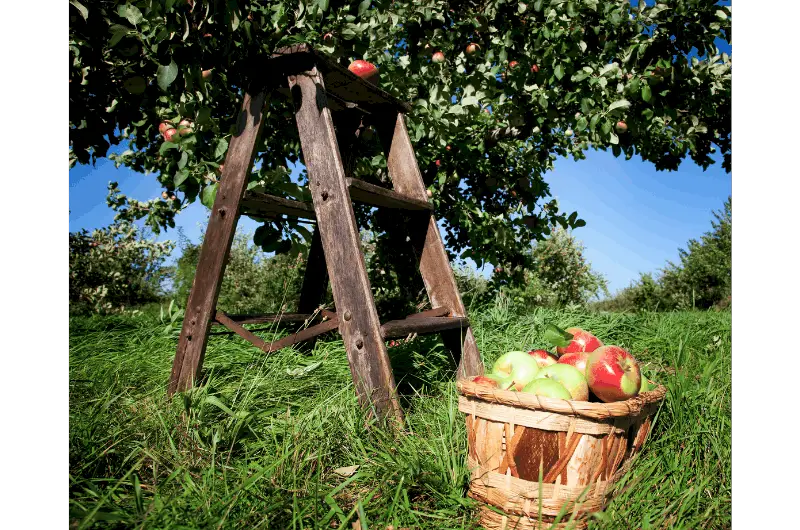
(256, 447)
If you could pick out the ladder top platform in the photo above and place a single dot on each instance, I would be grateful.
(339, 81)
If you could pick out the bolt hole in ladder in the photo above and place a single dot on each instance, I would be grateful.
(328, 97)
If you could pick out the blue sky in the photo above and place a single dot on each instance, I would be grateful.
(636, 217)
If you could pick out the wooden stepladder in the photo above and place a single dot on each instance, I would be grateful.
(328, 99)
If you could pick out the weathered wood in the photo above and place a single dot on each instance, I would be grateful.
(360, 326)
(262, 204)
(339, 81)
(422, 326)
(315, 281)
(434, 264)
(216, 245)
(435, 312)
(371, 194)
(247, 335)
(302, 336)
(278, 318)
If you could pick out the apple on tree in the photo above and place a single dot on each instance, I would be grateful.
(185, 127)
(169, 134)
(438, 58)
(613, 374)
(472, 48)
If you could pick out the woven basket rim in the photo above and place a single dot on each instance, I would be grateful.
(618, 409)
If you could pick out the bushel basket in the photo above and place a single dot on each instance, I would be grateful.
(578, 448)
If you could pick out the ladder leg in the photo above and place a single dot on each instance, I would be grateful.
(216, 246)
(360, 326)
(434, 264)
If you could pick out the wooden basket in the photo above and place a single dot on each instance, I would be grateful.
(578, 448)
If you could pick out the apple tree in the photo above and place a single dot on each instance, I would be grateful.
(520, 84)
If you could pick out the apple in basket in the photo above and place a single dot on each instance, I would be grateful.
(570, 378)
(492, 381)
(613, 374)
(576, 359)
(581, 341)
(517, 366)
(543, 357)
(547, 388)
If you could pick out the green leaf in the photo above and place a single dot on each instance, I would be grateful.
(165, 75)
(118, 32)
(613, 138)
(646, 92)
(180, 176)
(81, 8)
(363, 6)
(203, 115)
(619, 104)
(537, 6)
(559, 71)
(183, 160)
(166, 146)
(209, 195)
(557, 336)
(582, 123)
(221, 149)
(579, 223)
(133, 15)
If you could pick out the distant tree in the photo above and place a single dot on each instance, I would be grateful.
(115, 267)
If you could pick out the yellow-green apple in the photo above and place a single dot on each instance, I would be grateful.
(185, 127)
(576, 359)
(570, 377)
(543, 357)
(547, 388)
(613, 374)
(581, 341)
(517, 366)
(365, 70)
(647, 385)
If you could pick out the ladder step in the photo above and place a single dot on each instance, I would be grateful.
(366, 193)
(339, 81)
(279, 318)
(396, 329)
(264, 205)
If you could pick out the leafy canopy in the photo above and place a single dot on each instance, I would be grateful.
(549, 78)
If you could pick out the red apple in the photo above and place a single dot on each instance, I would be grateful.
(535, 68)
(576, 359)
(185, 127)
(448, 148)
(365, 70)
(169, 134)
(483, 380)
(327, 36)
(621, 126)
(472, 48)
(163, 126)
(581, 341)
(438, 57)
(429, 193)
(498, 269)
(207, 74)
(513, 64)
(543, 357)
(613, 374)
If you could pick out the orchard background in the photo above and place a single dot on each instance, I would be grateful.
(271, 441)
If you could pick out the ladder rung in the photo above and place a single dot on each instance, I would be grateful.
(280, 318)
(361, 191)
(339, 81)
(255, 204)
(395, 329)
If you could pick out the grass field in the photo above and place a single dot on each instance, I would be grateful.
(257, 443)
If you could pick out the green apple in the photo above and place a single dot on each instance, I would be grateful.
(570, 378)
(517, 366)
(547, 388)
(647, 385)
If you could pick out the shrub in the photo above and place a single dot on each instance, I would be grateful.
(114, 268)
